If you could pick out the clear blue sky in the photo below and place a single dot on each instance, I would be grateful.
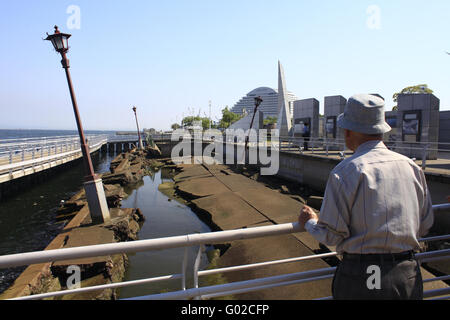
(168, 56)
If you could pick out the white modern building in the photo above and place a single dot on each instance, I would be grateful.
(269, 106)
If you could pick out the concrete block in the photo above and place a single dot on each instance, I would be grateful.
(405, 102)
(335, 100)
(444, 115)
(430, 118)
(434, 102)
(98, 206)
(434, 132)
(390, 113)
(421, 102)
(330, 100)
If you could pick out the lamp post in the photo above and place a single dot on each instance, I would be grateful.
(93, 185)
(141, 147)
(258, 101)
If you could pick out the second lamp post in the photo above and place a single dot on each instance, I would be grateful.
(141, 146)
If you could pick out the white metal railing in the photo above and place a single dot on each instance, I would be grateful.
(201, 240)
(134, 138)
(123, 138)
(16, 150)
(33, 153)
(17, 155)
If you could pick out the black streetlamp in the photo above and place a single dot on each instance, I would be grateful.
(138, 131)
(258, 101)
(95, 193)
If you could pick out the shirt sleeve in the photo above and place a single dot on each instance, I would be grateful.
(333, 224)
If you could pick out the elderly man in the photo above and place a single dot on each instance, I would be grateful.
(375, 208)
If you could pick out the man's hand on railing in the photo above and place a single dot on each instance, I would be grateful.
(306, 214)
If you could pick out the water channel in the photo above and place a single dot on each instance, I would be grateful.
(164, 218)
(27, 223)
(27, 220)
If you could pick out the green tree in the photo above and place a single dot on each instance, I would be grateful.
(189, 121)
(270, 120)
(175, 126)
(420, 88)
(228, 118)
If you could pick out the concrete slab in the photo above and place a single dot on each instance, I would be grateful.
(219, 169)
(192, 172)
(278, 207)
(228, 211)
(85, 237)
(237, 182)
(205, 187)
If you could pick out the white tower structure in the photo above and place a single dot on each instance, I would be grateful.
(284, 122)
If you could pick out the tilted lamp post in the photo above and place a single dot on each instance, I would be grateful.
(141, 146)
(258, 101)
(93, 185)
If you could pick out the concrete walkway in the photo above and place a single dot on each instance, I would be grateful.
(233, 201)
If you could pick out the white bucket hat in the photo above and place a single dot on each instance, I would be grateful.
(364, 113)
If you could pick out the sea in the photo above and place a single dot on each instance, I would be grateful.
(40, 133)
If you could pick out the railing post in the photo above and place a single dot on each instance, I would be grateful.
(196, 267)
(183, 269)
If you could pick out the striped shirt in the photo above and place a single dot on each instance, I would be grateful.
(376, 201)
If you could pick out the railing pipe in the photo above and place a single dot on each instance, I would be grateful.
(203, 291)
(20, 259)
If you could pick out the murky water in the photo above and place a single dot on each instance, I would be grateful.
(27, 220)
(164, 218)
(27, 223)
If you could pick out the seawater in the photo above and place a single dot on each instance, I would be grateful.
(40, 133)
(27, 220)
(164, 218)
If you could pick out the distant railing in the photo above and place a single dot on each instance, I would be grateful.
(20, 154)
(201, 240)
(315, 145)
(25, 153)
(123, 138)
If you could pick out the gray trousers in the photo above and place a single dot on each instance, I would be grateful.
(375, 278)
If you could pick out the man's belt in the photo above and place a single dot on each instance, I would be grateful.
(407, 255)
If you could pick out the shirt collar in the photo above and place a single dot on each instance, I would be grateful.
(366, 146)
